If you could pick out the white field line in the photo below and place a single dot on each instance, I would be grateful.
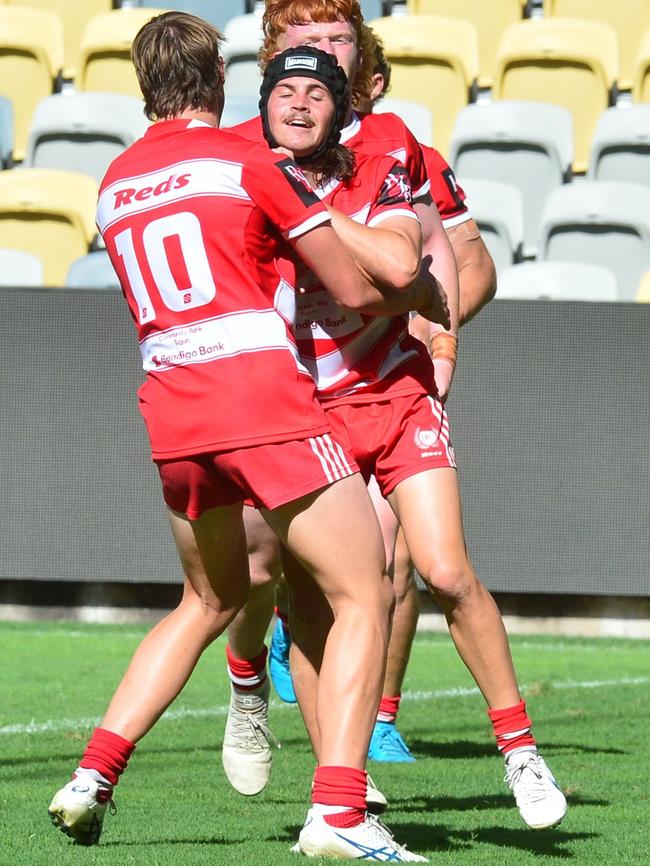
(443, 641)
(55, 725)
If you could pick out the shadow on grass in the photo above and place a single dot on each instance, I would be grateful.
(466, 804)
(468, 749)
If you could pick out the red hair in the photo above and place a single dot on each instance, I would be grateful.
(279, 14)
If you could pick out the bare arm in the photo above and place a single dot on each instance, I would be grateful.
(326, 255)
(476, 273)
(389, 253)
(437, 245)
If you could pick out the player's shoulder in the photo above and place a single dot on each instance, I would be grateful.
(375, 165)
(382, 124)
(249, 129)
(433, 159)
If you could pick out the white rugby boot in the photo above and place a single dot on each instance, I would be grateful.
(370, 840)
(246, 751)
(541, 803)
(78, 809)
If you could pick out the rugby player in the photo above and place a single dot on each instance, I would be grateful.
(194, 220)
(426, 503)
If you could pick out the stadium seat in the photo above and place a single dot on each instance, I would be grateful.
(18, 268)
(83, 131)
(601, 223)
(217, 12)
(489, 19)
(6, 132)
(92, 271)
(568, 62)
(528, 144)
(557, 281)
(48, 213)
(497, 210)
(74, 17)
(641, 82)
(104, 61)
(643, 292)
(31, 57)
(620, 149)
(416, 116)
(629, 18)
(435, 63)
(243, 39)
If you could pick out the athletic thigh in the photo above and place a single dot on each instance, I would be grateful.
(429, 511)
(335, 535)
(212, 551)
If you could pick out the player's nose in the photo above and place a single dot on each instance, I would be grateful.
(325, 44)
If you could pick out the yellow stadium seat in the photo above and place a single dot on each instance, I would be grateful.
(31, 57)
(434, 62)
(629, 18)
(641, 82)
(565, 61)
(74, 16)
(50, 214)
(643, 292)
(490, 20)
(104, 58)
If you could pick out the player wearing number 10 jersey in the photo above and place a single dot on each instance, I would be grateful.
(192, 218)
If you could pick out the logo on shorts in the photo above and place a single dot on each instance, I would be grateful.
(425, 438)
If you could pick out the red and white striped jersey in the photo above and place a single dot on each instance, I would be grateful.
(351, 356)
(380, 134)
(192, 218)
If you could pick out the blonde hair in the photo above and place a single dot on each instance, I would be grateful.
(177, 63)
(279, 14)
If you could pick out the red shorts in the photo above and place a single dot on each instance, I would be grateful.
(265, 476)
(395, 438)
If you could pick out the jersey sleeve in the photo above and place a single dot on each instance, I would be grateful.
(394, 195)
(279, 188)
(415, 165)
(445, 190)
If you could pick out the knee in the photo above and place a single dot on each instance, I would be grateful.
(452, 582)
(212, 614)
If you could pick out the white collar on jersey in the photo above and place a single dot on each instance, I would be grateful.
(194, 123)
(351, 129)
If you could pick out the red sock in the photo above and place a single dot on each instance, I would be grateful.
(343, 787)
(247, 674)
(283, 617)
(108, 753)
(388, 709)
(512, 728)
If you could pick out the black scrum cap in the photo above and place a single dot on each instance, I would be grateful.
(307, 62)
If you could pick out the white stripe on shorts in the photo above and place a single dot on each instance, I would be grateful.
(333, 462)
(440, 415)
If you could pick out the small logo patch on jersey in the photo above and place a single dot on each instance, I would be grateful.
(396, 187)
(298, 182)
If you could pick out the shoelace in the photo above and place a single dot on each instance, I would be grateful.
(251, 730)
(379, 825)
(535, 791)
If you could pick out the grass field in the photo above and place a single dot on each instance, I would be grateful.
(590, 700)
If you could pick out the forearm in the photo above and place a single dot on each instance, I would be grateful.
(476, 272)
(436, 244)
(390, 256)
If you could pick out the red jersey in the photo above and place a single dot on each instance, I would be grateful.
(192, 218)
(351, 356)
(445, 190)
(381, 134)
